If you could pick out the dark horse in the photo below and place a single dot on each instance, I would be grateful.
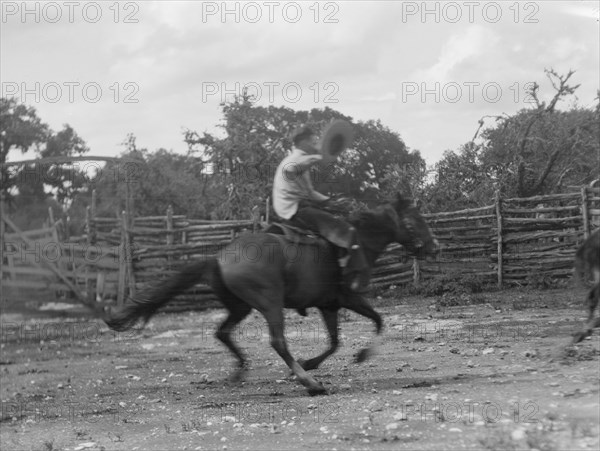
(587, 260)
(259, 271)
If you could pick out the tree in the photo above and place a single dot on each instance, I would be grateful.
(257, 138)
(161, 179)
(21, 129)
(459, 181)
(542, 150)
(538, 150)
(32, 188)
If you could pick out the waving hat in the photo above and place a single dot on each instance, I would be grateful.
(337, 137)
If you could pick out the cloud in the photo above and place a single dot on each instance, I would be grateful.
(463, 46)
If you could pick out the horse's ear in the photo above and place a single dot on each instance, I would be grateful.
(401, 203)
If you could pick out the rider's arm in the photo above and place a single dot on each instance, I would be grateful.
(318, 197)
(301, 164)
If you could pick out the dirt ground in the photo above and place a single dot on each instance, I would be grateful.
(495, 375)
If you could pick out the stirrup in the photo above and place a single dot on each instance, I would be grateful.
(343, 261)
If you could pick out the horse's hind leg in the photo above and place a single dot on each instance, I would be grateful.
(357, 304)
(237, 312)
(593, 299)
(330, 316)
(274, 317)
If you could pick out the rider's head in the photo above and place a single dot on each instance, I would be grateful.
(304, 138)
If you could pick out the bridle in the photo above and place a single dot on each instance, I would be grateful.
(416, 243)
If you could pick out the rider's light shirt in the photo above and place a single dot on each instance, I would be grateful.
(292, 183)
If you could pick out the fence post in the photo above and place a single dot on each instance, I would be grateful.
(499, 237)
(88, 280)
(169, 232)
(129, 254)
(255, 218)
(51, 216)
(267, 204)
(585, 213)
(416, 271)
(93, 216)
(2, 228)
(122, 266)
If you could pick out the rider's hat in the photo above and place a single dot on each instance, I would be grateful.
(336, 138)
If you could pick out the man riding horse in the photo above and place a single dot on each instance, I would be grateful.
(297, 202)
(272, 282)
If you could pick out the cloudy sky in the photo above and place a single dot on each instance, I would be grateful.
(428, 71)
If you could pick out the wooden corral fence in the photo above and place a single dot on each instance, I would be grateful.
(40, 264)
(117, 257)
(504, 243)
(507, 242)
(150, 249)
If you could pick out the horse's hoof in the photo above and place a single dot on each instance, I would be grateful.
(237, 376)
(580, 336)
(362, 355)
(305, 366)
(318, 390)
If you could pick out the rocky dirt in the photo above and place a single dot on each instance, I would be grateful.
(493, 375)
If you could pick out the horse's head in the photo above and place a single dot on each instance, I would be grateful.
(411, 230)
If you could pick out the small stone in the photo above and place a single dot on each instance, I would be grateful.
(518, 434)
(400, 416)
(391, 426)
(374, 406)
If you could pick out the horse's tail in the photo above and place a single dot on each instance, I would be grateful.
(145, 305)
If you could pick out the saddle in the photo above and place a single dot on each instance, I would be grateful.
(295, 234)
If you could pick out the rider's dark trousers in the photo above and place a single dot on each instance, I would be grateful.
(336, 231)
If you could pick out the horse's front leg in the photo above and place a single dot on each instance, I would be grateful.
(330, 316)
(358, 304)
(274, 316)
